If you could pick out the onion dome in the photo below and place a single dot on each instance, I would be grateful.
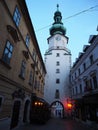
(57, 26)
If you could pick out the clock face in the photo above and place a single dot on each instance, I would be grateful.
(58, 38)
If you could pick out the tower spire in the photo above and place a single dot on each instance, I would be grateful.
(57, 26)
(57, 7)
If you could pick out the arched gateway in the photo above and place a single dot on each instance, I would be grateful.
(57, 109)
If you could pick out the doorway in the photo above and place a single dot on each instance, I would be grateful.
(26, 111)
(15, 114)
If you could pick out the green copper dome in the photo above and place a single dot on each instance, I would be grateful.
(57, 26)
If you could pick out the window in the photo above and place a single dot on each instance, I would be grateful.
(57, 81)
(23, 68)
(31, 78)
(79, 71)
(16, 16)
(72, 78)
(57, 94)
(76, 90)
(1, 100)
(57, 71)
(80, 88)
(75, 75)
(95, 81)
(7, 54)
(91, 59)
(27, 40)
(34, 55)
(35, 84)
(73, 91)
(84, 66)
(57, 54)
(57, 63)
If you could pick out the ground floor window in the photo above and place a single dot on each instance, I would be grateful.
(1, 100)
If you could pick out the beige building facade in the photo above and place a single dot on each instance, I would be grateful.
(22, 69)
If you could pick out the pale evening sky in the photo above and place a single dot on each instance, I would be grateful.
(83, 22)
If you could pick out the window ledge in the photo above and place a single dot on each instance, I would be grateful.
(5, 64)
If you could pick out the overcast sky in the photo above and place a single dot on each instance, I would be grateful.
(82, 23)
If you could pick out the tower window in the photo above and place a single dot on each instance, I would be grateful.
(57, 54)
(57, 81)
(57, 70)
(57, 94)
(57, 63)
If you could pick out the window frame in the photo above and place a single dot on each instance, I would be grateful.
(16, 16)
(31, 78)
(9, 49)
(23, 69)
(27, 40)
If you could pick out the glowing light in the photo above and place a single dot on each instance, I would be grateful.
(39, 103)
(69, 105)
(35, 103)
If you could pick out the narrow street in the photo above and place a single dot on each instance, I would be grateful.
(52, 124)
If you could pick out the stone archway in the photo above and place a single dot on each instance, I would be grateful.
(57, 109)
(26, 111)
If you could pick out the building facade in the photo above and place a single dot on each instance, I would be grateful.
(84, 83)
(22, 70)
(58, 64)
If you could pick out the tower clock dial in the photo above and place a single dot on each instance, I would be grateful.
(58, 38)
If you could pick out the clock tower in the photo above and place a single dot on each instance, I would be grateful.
(57, 31)
(58, 64)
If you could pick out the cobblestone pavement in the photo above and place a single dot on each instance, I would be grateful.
(52, 124)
